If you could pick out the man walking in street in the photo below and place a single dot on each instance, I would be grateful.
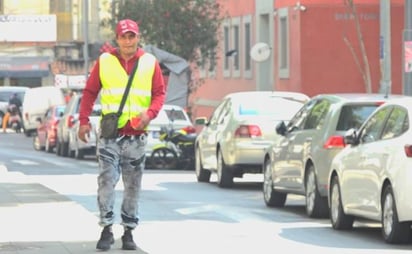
(123, 155)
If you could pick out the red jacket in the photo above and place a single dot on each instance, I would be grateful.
(93, 87)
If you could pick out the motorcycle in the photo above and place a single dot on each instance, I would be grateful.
(14, 121)
(177, 149)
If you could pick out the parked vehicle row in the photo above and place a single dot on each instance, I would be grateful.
(348, 154)
(233, 140)
(57, 132)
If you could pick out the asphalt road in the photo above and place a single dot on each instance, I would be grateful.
(179, 215)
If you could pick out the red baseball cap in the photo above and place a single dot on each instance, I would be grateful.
(127, 25)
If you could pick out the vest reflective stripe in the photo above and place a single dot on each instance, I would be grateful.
(117, 91)
(114, 107)
(114, 80)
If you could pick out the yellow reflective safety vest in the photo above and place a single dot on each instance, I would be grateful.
(114, 78)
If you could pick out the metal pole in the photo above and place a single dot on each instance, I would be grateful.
(86, 36)
(407, 44)
(385, 47)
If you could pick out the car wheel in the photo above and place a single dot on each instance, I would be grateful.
(339, 219)
(36, 143)
(316, 205)
(202, 174)
(65, 149)
(78, 153)
(224, 174)
(163, 158)
(47, 146)
(393, 231)
(272, 198)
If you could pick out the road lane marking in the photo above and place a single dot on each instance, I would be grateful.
(197, 209)
(25, 162)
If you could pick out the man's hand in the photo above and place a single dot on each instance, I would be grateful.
(144, 120)
(84, 133)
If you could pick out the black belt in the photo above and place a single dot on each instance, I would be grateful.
(141, 136)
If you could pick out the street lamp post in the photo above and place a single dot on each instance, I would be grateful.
(86, 37)
(385, 47)
(407, 44)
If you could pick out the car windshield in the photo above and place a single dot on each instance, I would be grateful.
(6, 95)
(352, 116)
(174, 114)
(281, 108)
(60, 110)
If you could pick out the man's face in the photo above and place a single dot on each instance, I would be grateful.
(127, 43)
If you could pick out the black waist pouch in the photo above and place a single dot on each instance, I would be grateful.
(108, 125)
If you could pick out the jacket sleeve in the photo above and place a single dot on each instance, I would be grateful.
(158, 92)
(90, 93)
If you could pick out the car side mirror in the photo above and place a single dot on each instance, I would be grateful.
(351, 137)
(281, 128)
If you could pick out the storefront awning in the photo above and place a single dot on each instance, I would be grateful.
(24, 67)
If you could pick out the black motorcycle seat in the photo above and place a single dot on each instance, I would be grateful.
(188, 138)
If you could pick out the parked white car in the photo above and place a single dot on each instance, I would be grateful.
(371, 177)
(233, 140)
(169, 115)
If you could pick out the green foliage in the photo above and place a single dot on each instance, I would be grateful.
(185, 28)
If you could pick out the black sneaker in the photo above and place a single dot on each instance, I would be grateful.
(106, 239)
(127, 240)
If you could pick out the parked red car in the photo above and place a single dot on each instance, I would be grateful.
(47, 129)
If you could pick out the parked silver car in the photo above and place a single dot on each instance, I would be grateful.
(77, 148)
(299, 162)
(233, 141)
(67, 143)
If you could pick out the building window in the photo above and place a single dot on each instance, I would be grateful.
(236, 47)
(247, 42)
(283, 43)
(226, 48)
(234, 58)
(226, 29)
(212, 65)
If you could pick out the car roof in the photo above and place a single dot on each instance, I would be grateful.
(170, 106)
(405, 101)
(281, 94)
(358, 97)
(14, 88)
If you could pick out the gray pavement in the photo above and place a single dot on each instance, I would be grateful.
(36, 219)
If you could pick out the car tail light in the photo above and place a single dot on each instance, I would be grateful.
(189, 129)
(70, 121)
(248, 131)
(408, 150)
(334, 142)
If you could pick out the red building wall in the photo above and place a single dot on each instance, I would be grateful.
(320, 60)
